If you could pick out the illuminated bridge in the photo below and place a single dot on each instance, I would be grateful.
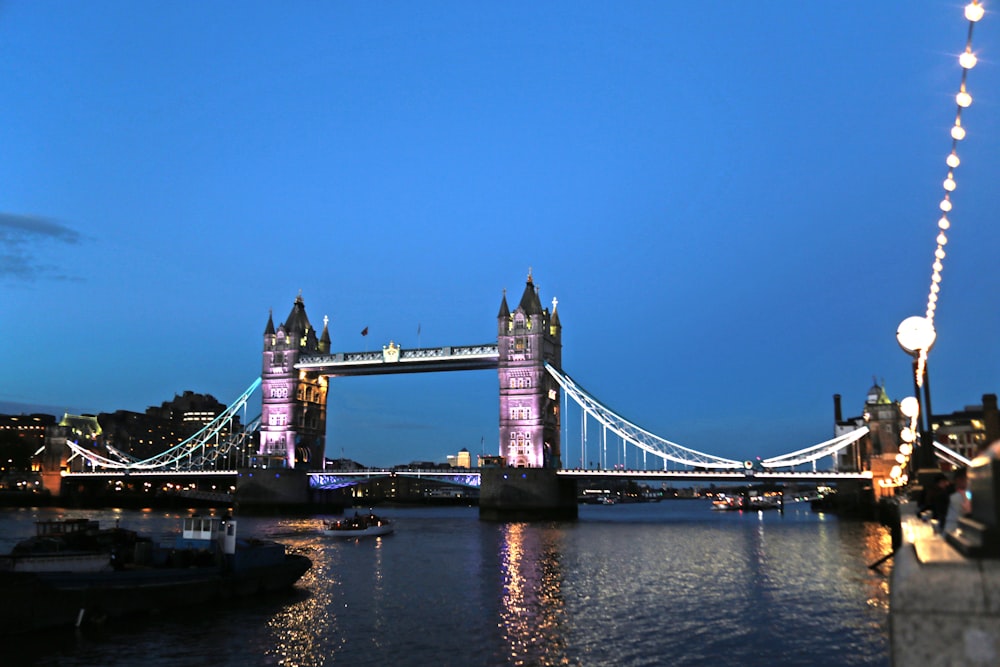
(535, 400)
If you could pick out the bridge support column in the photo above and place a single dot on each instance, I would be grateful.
(526, 494)
(266, 488)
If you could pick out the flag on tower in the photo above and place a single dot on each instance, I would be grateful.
(364, 332)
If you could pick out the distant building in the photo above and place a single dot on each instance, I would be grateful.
(189, 410)
(969, 431)
(876, 452)
(20, 437)
(143, 435)
(22, 440)
(966, 432)
(461, 460)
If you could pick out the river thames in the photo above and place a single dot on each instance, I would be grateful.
(669, 583)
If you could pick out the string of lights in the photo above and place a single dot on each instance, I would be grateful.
(910, 406)
(973, 13)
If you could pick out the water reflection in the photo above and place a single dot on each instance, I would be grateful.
(532, 608)
(303, 634)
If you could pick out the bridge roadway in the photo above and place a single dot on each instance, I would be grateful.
(333, 479)
(468, 477)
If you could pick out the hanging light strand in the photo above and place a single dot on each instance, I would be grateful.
(973, 12)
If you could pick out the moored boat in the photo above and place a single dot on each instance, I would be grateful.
(368, 525)
(77, 545)
(206, 563)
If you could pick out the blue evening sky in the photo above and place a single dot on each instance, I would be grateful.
(735, 204)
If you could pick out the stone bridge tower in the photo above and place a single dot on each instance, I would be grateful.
(293, 404)
(527, 338)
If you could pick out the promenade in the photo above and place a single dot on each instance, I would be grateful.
(944, 608)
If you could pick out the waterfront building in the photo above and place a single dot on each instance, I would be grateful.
(20, 437)
(966, 432)
(877, 451)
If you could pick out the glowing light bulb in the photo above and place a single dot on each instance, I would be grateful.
(949, 184)
(946, 204)
(932, 298)
(939, 253)
(958, 132)
(974, 11)
(942, 239)
(952, 160)
(944, 223)
(963, 99)
(967, 60)
(935, 288)
(937, 265)
(936, 277)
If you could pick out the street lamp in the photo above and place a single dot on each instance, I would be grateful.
(916, 335)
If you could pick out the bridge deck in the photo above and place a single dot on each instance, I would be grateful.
(397, 360)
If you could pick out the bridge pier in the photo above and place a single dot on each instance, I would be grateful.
(265, 488)
(526, 494)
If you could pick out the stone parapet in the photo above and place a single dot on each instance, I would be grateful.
(944, 608)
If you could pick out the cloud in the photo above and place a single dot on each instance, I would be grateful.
(22, 241)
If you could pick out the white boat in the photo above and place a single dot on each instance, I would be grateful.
(368, 525)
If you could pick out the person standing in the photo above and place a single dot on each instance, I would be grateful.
(959, 502)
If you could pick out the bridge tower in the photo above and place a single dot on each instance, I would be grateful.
(293, 405)
(529, 397)
(526, 485)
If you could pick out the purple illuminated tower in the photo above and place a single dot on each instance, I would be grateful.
(293, 410)
(527, 338)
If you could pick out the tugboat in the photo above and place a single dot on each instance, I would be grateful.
(206, 563)
(368, 525)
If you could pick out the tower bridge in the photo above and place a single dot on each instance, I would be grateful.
(290, 434)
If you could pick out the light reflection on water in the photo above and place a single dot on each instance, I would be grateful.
(625, 585)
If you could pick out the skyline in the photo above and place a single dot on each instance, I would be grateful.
(735, 206)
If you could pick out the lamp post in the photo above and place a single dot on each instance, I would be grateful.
(916, 335)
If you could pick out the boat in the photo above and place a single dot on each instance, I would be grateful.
(368, 525)
(205, 563)
(78, 545)
(727, 503)
(766, 502)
